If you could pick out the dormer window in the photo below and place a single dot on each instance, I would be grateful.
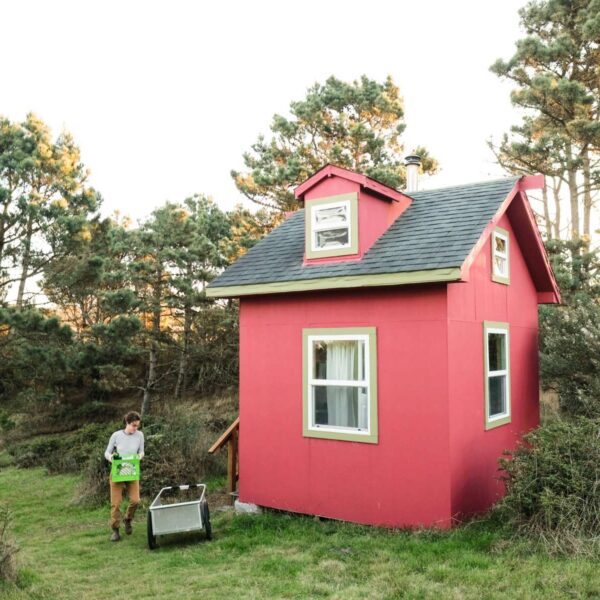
(331, 226)
(500, 262)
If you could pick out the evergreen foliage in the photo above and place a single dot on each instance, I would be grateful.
(355, 125)
(555, 68)
(128, 313)
(570, 333)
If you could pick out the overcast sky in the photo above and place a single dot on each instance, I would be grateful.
(164, 97)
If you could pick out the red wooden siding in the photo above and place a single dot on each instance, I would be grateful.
(402, 480)
(474, 451)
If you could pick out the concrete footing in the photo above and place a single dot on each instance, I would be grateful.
(247, 508)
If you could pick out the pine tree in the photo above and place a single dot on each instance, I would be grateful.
(556, 71)
(356, 125)
(43, 197)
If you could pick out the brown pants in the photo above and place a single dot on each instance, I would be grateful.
(116, 495)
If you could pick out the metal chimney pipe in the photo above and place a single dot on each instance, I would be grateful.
(413, 164)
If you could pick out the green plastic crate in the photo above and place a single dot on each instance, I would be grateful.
(126, 468)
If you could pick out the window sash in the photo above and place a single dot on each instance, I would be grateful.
(314, 382)
(503, 254)
(498, 373)
(320, 227)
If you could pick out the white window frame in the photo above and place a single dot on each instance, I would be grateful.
(502, 418)
(502, 234)
(367, 335)
(311, 251)
(315, 227)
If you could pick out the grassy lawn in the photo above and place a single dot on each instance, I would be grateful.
(65, 553)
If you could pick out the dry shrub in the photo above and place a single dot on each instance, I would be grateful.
(8, 549)
(177, 439)
(553, 486)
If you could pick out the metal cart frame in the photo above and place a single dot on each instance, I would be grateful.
(180, 517)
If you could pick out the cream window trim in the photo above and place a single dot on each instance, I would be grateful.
(503, 256)
(497, 419)
(368, 336)
(312, 228)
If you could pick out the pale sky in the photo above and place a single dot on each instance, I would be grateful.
(164, 97)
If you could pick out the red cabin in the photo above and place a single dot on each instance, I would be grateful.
(388, 348)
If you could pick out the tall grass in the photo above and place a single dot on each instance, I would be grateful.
(8, 549)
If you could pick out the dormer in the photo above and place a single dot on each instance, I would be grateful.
(345, 213)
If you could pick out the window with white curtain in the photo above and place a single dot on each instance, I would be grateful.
(340, 382)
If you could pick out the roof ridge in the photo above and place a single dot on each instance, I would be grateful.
(465, 185)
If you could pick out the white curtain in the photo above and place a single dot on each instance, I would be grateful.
(341, 410)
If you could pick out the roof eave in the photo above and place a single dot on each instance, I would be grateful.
(444, 275)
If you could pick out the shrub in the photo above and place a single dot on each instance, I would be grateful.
(553, 485)
(6, 423)
(176, 447)
(176, 444)
(570, 355)
(63, 453)
(8, 549)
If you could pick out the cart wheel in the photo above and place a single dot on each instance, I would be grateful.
(206, 520)
(151, 537)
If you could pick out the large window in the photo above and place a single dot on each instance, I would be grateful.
(331, 226)
(497, 374)
(340, 384)
(500, 262)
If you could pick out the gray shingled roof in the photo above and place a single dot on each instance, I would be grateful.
(437, 231)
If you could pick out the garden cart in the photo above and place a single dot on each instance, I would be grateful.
(178, 509)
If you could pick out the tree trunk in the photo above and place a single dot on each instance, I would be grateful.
(182, 373)
(587, 195)
(4, 218)
(556, 184)
(153, 355)
(573, 194)
(547, 221)
(148, 389)
(26, 262)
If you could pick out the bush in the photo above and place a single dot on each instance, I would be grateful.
(176, 447)
(8, 549)
(570, 355)
(553, 485)
(6, 423)
(177, 440)
(64, 453)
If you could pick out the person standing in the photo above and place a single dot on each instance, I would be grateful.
(124, 442)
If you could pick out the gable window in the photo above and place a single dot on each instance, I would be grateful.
(331, 226)
(340, 384)
(497, 374)
(500, 262)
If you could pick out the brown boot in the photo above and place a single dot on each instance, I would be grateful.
(128, 527)
(116, 536)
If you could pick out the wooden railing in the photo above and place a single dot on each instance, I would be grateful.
(230, 437)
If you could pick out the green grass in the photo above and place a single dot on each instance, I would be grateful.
(65, 553)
